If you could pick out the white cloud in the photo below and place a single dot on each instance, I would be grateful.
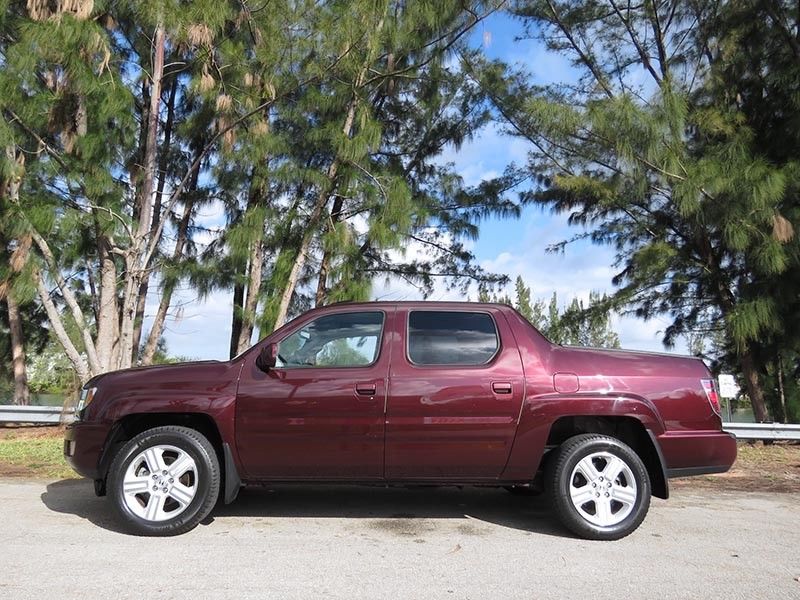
(195, 328)
(582, 268)
(549, 67)
(486, 155)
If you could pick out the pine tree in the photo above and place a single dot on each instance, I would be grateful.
(534, 311)
(668, 171)
(322, 150)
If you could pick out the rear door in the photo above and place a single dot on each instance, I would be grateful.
(319, 413)
(455, 394)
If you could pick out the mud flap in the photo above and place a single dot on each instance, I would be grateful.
(232, 480)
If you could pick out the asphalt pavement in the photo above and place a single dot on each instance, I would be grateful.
(57, 540)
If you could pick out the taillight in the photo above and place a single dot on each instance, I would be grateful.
(711, 393)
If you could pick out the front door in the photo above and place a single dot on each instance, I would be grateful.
(320, 412)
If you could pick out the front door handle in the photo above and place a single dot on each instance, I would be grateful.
(366, 389)
(501, 387)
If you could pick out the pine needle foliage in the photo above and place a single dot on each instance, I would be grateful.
(311, 131)
(673, 147)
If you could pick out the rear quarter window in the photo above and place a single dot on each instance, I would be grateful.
(451, 338)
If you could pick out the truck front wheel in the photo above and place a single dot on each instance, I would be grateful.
(164, 481)
(599, 487)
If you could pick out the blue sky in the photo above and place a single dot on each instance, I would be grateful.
(510, 246)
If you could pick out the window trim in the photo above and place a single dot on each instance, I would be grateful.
(482, 365)
(378, 343)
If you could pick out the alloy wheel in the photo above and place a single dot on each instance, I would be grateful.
(602, 489)
(160, 483)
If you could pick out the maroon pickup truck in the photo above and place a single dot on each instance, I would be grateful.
(402, 393)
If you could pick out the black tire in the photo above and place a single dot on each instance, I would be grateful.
(558, 478)
(205, 481)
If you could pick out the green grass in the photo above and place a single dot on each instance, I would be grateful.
(34, 457)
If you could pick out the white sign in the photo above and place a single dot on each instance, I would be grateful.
(727, 386)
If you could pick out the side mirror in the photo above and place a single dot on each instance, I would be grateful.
(267, 358)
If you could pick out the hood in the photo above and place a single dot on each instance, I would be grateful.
(157, 371)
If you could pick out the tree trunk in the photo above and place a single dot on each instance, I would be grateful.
(157, 328)
(302, 252)
(71, 301)
(324, 194)
(325, 263)
(81, 368)
(138, 319)
(322, 282)
(21, 392)
(781, 389)
(753, 384)
(254, 269)
(166, 294)
(236, 320)
(319, 206)
(135, 261)
(162, 176)
(108, 310)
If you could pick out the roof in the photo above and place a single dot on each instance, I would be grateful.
(436, 303)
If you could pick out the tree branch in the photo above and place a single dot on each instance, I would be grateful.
(70, 299)
(58, 328)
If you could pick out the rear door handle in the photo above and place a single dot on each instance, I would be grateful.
(501, 387)
(366, 389)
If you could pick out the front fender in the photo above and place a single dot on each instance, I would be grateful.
(207, 389)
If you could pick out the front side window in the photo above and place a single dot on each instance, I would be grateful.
(451, 338)
(340, 340)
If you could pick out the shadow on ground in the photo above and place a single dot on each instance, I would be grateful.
(76, 497)
(392, 507)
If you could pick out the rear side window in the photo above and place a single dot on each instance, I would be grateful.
(451, 338)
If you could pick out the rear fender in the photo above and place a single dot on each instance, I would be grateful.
(539, 414)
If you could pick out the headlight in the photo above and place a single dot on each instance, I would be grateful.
(87, 395)
(74, 405)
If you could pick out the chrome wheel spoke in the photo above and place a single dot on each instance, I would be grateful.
(581, 495)
(136, 485)
(154, 511)
(623, 494)
(182, 494)
(613, 468)
(154, 457)
(183, 463)
(587, 468)
(603, 511)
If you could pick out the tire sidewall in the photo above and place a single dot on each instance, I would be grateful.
(570, 515)
(207, 477)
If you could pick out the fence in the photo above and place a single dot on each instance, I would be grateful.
(51, 415)
(39, 415)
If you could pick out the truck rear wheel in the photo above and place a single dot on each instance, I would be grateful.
(164, 481)
(599, 487)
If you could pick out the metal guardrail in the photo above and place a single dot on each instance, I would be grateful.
(40, 415)
(763, 431)
(51, 415)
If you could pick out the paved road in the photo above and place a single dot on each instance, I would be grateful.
(58, 541)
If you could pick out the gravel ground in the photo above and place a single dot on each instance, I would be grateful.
(59, 541)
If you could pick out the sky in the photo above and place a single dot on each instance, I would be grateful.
(511, 246)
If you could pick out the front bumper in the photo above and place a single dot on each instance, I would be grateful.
(697, 452)
(83, 447)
